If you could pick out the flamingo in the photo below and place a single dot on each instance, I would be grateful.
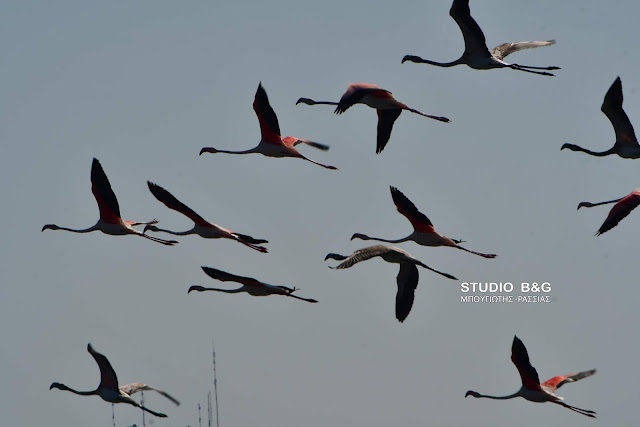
(423, 232)
(532, 389)
(249, 285)
(623, 207)
(200, 227)
(386, 105)
(110, 221)
(476, 54)
(108, 389)
(626, 145)
(407, 278)
(271, 143)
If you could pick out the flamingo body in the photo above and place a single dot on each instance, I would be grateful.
(387, 107)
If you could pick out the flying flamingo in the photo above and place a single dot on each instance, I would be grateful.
(407, 278)
(476, 54)
(623, 207)
(110, 221)
(532, 389)
(423, 232)
(249, 285)
(201, 227)
(271, 143)
(108, 389)
(386, 105)
(626, 145)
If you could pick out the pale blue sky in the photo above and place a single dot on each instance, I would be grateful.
(143, 85)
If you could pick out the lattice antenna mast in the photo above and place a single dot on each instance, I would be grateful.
(215, 384)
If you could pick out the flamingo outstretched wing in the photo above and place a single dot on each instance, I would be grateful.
(474, 40)
(108, 377)
(386, 119)
(557, 382)
(223, 276)
(354, 94)
(612, 108)
(106, 198)
(407, 281)
(520, 358)
(136, 387)
(269, 127)
(418, 220)
(171, 202)
(506, 49)
(620, 210)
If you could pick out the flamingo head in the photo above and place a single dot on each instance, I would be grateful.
(472, 393)
(359, 236)
(150, 226)
(50, 227)
(208, 150)
(58, 386)
(411, 58)
(585, 205)
(335, 256)
(196, 288)
(307, 101)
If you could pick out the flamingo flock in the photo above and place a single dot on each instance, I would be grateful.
(272, 144)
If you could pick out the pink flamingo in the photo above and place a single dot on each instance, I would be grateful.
(201, 227)
(626, 145)
(110, 221)
(249, 285)
(623, 207)
(423, 231)
(108, 389)
(387, 107)
(532, 389)
(476, 54)
(271, 143)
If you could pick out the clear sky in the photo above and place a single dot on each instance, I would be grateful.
(143, 85)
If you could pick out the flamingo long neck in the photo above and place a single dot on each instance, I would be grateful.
(228, 291)
(337, 257)
(419, 60)
(380, 239)
(84, 230)
(574, 147)
(324, 103)
(81, 393)
(601, 203)
(215, 150)
(510, 396)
